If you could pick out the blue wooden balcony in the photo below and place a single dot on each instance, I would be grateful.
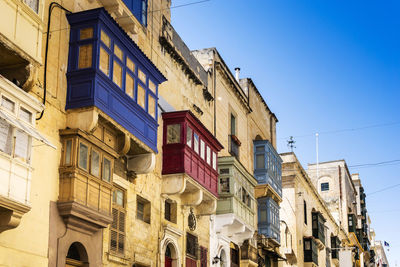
(107, 70)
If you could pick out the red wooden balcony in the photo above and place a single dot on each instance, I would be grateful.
(189, 148)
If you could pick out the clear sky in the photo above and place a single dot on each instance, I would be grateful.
(322, 66)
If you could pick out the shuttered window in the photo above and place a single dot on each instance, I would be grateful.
(191, 246)
(117, 231)
(203, 257)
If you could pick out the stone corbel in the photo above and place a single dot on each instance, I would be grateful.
(32, 77)
(192, 198)
(85, 120)
(207, 207)
(11, 213)
(142, 163)
(173, 184)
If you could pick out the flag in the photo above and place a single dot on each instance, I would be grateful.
(386, 244)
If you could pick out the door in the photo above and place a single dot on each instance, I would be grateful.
(168, 261)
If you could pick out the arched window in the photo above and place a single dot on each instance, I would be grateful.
(305, 212)
(76, 256)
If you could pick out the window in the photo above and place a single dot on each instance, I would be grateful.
(95, 163)
(208, 156)
(106, 169)
(33, 4)
(191, 245)
(8, 104)
(170, 210)
(233, 125)
(25, 115)
(203, 256)
(305, 211)
(85, 56)
(104, 64)
(196, 142)
(130, 85)
(143, 209)
(117, 74)
(68, 152)
(214, 160)
(144, 12)
(260, 161)
(83, 156)
(202, 152)
(324, 186)
(21, 145)
(141, 96)
(117, 229)
(173, 133)
(246, 197)
(189, 134)
(224, 185)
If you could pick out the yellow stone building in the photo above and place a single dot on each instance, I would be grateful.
(111, 135)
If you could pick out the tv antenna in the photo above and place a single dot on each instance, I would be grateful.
(290, 143)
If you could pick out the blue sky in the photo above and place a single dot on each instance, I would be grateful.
(321, 66)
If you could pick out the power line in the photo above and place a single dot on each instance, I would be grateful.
(383, 189)
(347, 129)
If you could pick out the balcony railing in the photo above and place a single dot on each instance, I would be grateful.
(107, 70)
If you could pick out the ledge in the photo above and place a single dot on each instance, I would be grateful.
(11, 213)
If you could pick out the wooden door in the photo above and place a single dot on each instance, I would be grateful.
(168, 261)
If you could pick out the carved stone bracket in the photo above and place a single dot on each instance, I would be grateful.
(11, 213)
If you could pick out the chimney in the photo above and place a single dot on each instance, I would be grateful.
(237, 72)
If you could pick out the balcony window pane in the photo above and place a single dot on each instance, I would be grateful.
(141, 96)
(152, 106)
(307, 245)
(189, 133)
(208, 156)
(214, 160)
(260, 148)
(83, 156)
(173, 133)
(104, 64)
(260, 161)
(25, 115)
(105, 39)
(202, 152)
(263, 216)
(142, 76)
(117, 74)
(129, 64)
(196, 142)
(68, 150)
(85, 56)
(224, 185)
(34, 4)
(106, 170)
(8, 104)
(86, 33)
(152, 86)
(5, 136)
(130, 85)
(118, 52)
(118, 197)
(95, 164)
(21, 144)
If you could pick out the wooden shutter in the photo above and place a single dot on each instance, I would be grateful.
(203, 257)
(117, 232)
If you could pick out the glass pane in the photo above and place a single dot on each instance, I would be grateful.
(106, 169)
(173, 133)
(141, 96)
(233, 124)
(105, 39)
(307, 245)
(68, 150)
(214, 160)
(118, 197)
(260, 148)
(263, 216)
(189, 133)
(85, 56)
(152, 106)
(83, 156)
(224, 184)
(196, 142)
(86, 33)
(118, 52)
(130, 85)
(95, 164)
(117, 74)
(104, 64)
(21, 144)
(25, 115)
(208, 156)
(152, 87)
(202, 152)
(260, 161)
(34, 4)
(8, 104)
(5, 137)
(142, 76)
(129, 64)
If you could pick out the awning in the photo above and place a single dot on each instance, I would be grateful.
(30, 130)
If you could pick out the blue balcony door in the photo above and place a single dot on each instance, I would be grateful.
(139, 9)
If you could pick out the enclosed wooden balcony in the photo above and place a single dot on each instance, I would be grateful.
(85, 181)
(318, 229)
(107, 70)
(310, 252)
(190, 160)
(236, 208)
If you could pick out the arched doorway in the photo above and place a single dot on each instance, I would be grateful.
(76, 256)
(170, 255)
